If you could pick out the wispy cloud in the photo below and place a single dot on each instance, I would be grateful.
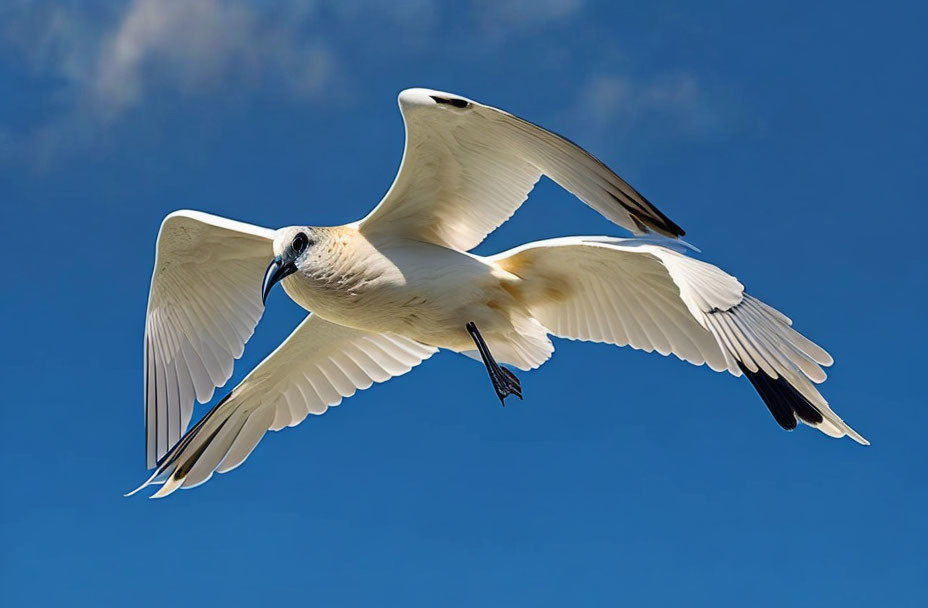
(414, 17)
(105, 63)
(179, 46)
(109, 58)
(677, 101)
(502, 18)
(189, 45)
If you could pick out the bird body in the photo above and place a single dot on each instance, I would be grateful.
(410, 288)
(388, 291)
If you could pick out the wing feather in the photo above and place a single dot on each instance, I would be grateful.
(467, 167)
(667, 302)
(203, 306)
(317, 366)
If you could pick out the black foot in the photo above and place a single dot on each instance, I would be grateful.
(504, 381)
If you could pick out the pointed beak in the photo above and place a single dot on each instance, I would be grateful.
(277, 270)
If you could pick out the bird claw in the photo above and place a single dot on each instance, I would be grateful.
(505, 382)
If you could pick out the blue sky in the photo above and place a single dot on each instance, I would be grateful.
(788, 139)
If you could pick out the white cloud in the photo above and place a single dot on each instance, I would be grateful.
(196, 43)
(110, 58)
(192, 46)
(502, 18)
(677, 101)
(524, 13)
(104, 62)
(411, 16)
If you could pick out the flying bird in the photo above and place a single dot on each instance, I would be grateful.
(388, 291)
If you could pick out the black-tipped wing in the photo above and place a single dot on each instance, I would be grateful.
(318, 365)
(467, 167)
(629, 291)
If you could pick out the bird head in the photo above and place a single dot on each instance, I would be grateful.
(292, 247)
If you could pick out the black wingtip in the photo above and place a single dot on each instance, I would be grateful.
(665, 224)
(787, 404)
(450, 101)
(657, 222)
(673, 226)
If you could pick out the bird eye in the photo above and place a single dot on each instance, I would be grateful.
(299, 242)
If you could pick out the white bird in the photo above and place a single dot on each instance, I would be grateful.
(386, 292)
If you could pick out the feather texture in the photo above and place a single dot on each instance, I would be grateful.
(320, 364)
(467, 167)
(630, 292)
(203, 306)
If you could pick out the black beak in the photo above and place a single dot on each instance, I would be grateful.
(275, 272)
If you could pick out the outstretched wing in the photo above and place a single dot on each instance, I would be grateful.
(204, 304)
(467, 167)
(318, 365)
(623, 291)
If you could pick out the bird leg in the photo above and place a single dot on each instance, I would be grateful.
(504, 381)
